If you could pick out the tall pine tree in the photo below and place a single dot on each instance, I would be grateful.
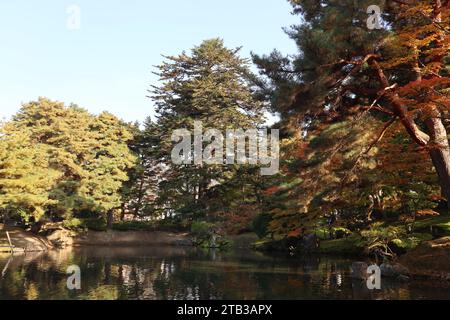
(210, 85)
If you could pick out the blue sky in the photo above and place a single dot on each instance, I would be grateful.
(107, 64)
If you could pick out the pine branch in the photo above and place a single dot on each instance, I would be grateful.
(420, 137)
(369, 148)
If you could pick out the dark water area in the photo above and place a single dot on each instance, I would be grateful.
(162, 273)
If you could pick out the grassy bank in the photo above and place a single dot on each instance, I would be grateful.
(400, 238)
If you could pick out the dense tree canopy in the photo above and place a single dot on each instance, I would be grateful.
(66, 160)
(363, 111)
(340, 100)
(211, 85)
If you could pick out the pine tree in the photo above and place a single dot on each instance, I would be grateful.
(108, 165)
(80, 160)
(210, 85)
(65, 132)
(26, 175)
(367, 79)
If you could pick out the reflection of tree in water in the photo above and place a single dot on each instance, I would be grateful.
(159, 274)
(137, 279)
(36, 276)
(180, 279)
(263, 279)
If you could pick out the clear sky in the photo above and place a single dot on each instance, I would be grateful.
(106, 64)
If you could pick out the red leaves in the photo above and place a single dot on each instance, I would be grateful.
(272, 190)
(427, 85)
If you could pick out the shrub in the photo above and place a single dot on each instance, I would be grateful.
(201, 228)
(378, 239)
(168, 225)
(341, 232)
(73, 224)
(260, 225)
(134, 226)
(206, 236)
(94, 224)
(401, 246)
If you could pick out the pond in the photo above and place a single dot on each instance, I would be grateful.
(186, 273)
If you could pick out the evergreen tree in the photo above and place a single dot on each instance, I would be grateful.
(364, 82)
(27, 177)
(108, 166)
(65, 132)
(210, 85)
(76, 162)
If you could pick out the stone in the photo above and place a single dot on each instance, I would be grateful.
(183, 243)
(401, 269)
(387, 270)
(403, 278)
(393, 270)
(309, 242)
(61, 238)
(359, 270)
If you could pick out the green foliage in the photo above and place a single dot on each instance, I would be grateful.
(378, 239)
(347, 155)
(202, 228)
(341, 153)
(60, 160)
(73, 224)
(134, 226)
(27, 176)
(94, 224)
(207, 236)
(169, 225)
(438, 226)
(260, 224)
(211, 85)
(107, 170)
(345, 246)
(409, 242)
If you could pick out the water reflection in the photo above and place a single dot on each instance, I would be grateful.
(186, 273)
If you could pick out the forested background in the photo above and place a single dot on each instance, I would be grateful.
(363, 116)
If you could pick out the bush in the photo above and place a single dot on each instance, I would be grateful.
(335, 233)
(439, 226)
(378, 239)
(73, 224)
(168, 225)
(206, 237)
(173, 225)
(94, 224)
(134, 226)
(201, 228)
(345, 246)
(401, 246)
(260, 225)
(341, 232)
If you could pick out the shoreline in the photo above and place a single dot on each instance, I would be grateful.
(417, 261)
(25, 241)
(132, 238)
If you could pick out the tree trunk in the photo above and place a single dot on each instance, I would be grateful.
(440, 153)
(108, 273)
(436, 140)
(122, 211)
(140, 197)
(110, 219)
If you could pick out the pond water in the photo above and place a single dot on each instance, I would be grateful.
(188, 273)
